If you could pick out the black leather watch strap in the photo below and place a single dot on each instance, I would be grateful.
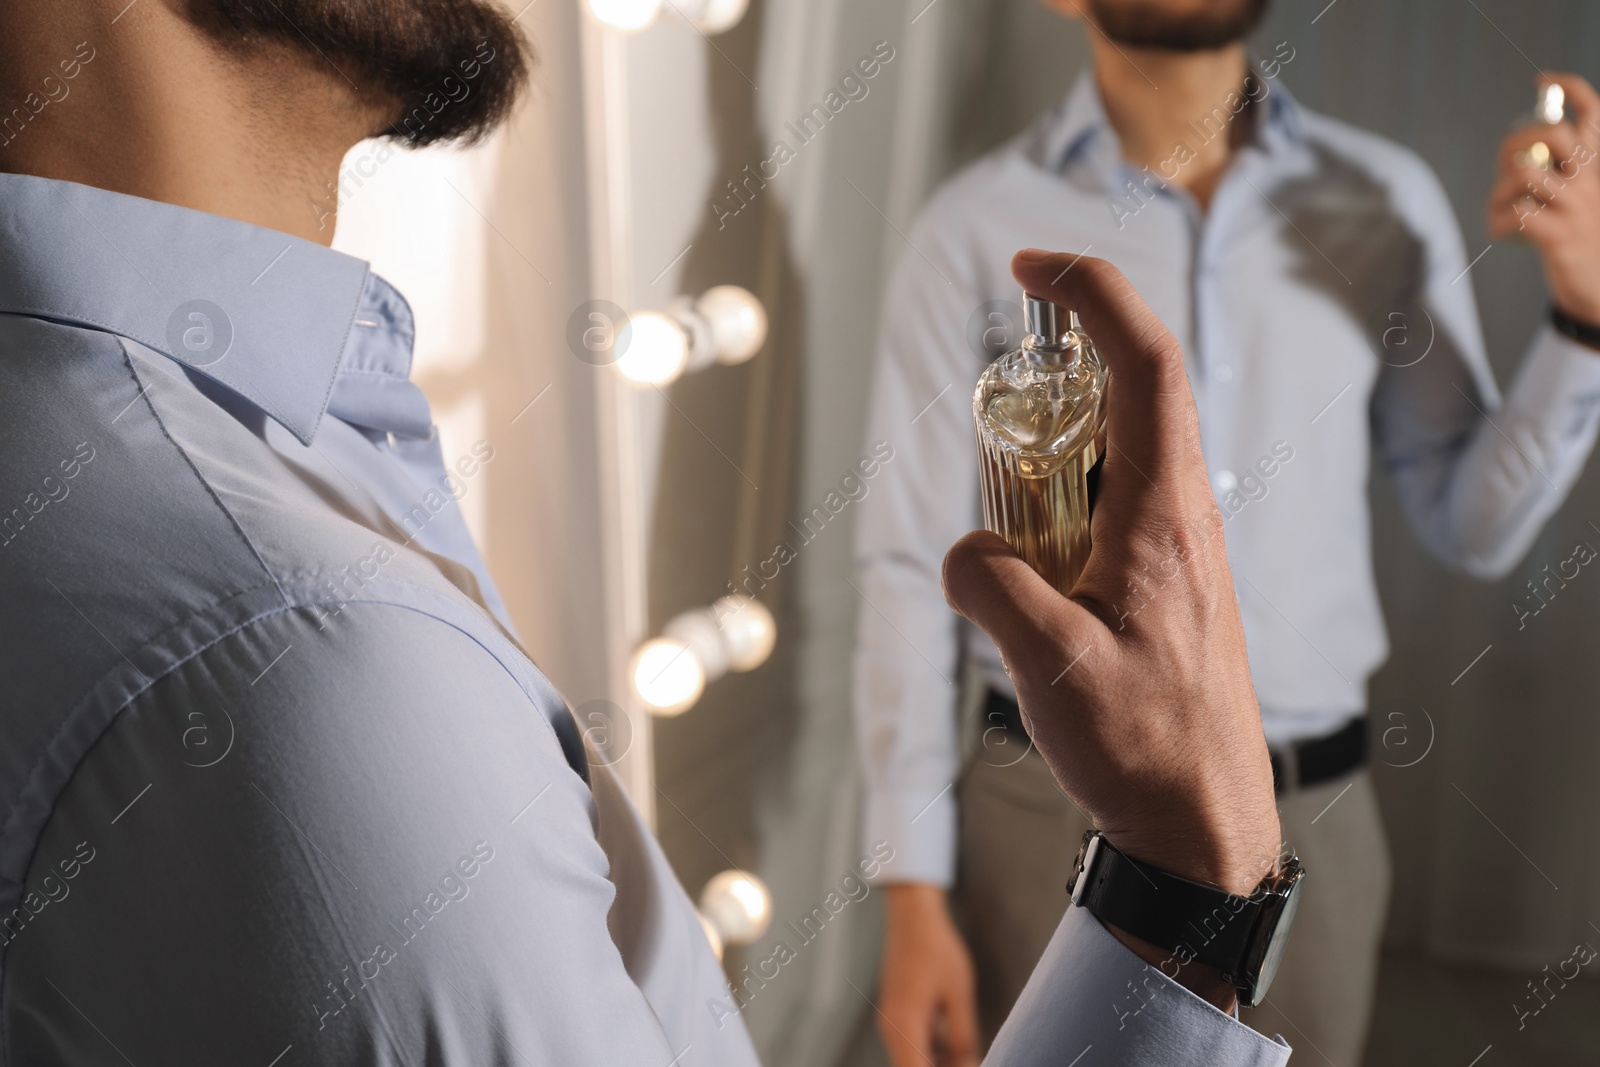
(1192, 921)
(1586, 333)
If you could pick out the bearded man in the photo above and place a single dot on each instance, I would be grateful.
(278, 785)
(1316, 278)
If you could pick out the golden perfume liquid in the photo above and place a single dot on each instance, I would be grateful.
(1039, 413)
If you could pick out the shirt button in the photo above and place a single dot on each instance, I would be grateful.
(1224, 481)
(1222, 374)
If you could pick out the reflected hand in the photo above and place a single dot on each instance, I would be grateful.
(1147, 717)
(927, 1007)
(1558, 209)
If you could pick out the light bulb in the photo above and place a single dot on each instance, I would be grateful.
(667, 675)
(654, 349)
(748, 631)
(738, 905)
(738, 322)
(625, 15)
(711, 934)
(702, 631)
(715, 16)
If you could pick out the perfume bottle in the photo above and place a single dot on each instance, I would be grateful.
(1549, 111)
(1039, 412)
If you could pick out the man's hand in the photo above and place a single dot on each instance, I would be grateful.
(1558, 210)
(1136, 689)
(927, 1004)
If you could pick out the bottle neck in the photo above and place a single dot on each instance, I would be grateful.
(1045, 353)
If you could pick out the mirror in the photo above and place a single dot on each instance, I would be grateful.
(1346, 261)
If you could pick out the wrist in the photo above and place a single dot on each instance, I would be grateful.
(1204, 981)
(1235, 856)
(1223, 944)
(1583, 328)
(915, 899)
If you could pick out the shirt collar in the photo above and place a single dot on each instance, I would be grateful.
(272, 317)
(1078, 130)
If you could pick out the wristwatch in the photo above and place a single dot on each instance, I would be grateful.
(1585, 333)
(1243, 937)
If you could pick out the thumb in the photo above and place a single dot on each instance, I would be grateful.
(1151, 417)
(990, 586)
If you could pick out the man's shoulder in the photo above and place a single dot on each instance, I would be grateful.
(73, 458)
(119, 460)
(96, 483)
(969, 195)
(1398, 168)
(967, 225)
(140, 523)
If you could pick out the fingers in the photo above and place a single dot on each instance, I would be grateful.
(961, 1027)
(1151, 411)
(1513, 210)
(902, 1049)
(1560, 140)
(1532, 202)
(946, 1032)
(990, 586)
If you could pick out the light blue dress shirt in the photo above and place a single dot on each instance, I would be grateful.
(277, 784)
(1325, 308)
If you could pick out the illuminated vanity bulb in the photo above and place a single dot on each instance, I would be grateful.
(711, 934)
(714, 16)
(654, 349)
(748, 631)
(737, 321)
(625, 15)
(667, 675)
(698, 646)
(738, 906)
(701, 631)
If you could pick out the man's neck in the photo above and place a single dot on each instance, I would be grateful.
(161, 111)
(1158, 101)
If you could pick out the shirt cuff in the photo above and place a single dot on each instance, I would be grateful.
(920, 825)
(1559, 381)
(1091, 991)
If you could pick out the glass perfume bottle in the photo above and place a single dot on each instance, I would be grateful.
(1549, 111)
(1039, 412)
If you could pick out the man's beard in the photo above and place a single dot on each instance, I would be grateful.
(1147, 24)
(452, 68)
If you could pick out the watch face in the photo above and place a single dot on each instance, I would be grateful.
(1278, 943)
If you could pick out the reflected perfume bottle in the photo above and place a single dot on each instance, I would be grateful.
(1549, 111)
(1039, 412)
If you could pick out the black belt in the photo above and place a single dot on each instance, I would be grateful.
(1321, 759)
(1305, 763)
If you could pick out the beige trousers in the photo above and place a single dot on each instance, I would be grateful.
(1019, 834)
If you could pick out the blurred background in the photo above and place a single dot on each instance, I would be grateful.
(615, 506)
